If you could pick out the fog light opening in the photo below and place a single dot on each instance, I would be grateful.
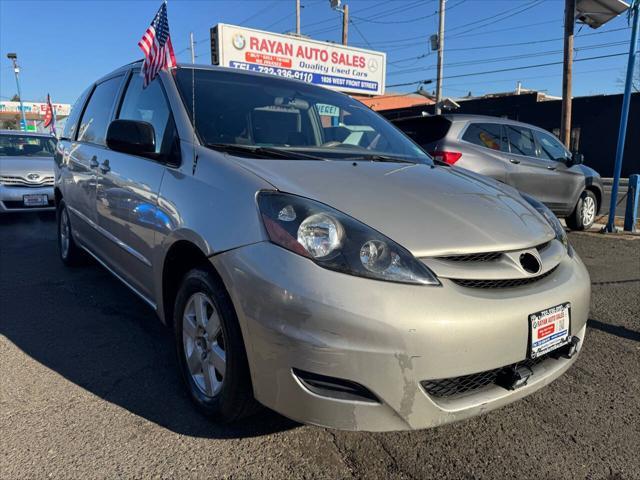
(336, 388)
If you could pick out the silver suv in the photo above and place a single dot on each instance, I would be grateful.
(308, 255)
(521, 155)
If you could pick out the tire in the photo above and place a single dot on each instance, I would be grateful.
(205, 347)
(69, 252)
(585, 212)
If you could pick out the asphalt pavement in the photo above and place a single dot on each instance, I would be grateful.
(89, 389)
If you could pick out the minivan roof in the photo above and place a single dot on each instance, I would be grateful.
(218, 68)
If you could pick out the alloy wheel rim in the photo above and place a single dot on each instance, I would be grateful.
(203, 343)
(588, 211)
(64, 233)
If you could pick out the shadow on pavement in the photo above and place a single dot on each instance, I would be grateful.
(617, 330)
(86, 326)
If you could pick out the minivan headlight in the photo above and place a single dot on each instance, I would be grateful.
(337, 241)
(550, 217)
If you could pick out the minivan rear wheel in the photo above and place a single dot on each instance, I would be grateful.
(210, 349)
(585, 212)
(70, 253)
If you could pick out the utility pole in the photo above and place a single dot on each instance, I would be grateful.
(634, 16)
(192, 47)
(344, 9)
(16, 69)
(298, 17)
(440, 58)
(567, 72)
(345, 24)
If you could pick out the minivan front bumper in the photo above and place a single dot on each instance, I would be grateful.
(386, 337)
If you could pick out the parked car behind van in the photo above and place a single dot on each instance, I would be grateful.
(521, 155)
(310, 257)
(26, 171)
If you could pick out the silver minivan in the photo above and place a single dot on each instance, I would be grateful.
(521, 155)
(311, 258)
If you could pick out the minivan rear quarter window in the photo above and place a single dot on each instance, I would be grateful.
(488, 135)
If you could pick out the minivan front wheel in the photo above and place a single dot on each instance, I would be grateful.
(210, 349)
(584, 214)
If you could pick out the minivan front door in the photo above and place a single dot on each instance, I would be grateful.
(128, 188)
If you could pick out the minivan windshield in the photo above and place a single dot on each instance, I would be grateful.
(16, 145)
(257, 114)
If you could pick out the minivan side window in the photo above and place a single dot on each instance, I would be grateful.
(521, 140)
(96, 117)
(148, 105)
(549, 147)
(71, 123)
(488, 135)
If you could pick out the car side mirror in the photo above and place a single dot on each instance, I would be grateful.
(132, 136)
(577, 158)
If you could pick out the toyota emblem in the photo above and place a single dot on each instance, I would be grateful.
(33, 177)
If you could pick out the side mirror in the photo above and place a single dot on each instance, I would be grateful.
(132, 136)
(577, 158)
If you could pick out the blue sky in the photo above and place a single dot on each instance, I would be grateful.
(64, 45)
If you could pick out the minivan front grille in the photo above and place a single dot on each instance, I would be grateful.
(473, 257)
(484, 256)
(507, 283)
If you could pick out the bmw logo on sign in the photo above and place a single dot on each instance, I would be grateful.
(239, 41)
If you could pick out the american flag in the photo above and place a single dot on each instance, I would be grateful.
(157, 48)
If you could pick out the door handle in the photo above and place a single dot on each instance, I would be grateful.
(550, 167)
(93, 163)
(514, 160)
(104, 168)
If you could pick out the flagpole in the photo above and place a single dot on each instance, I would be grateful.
(55, 121)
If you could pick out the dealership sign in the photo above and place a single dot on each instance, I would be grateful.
(346, 69)
(37, 108)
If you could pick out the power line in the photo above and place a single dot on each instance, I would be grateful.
(258, 13)
(511, 57)
(512, 12)
(514, 79)
(544, 22)
(360, 33)
(533, 42)
(410, 41)
(372, 18)
(511, 69)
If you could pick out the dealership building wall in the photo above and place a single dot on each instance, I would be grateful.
(594, 130)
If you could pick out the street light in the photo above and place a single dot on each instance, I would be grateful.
(16, 70)
(596, 13)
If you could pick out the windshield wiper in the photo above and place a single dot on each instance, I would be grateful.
(263, 152)
(375, 157)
